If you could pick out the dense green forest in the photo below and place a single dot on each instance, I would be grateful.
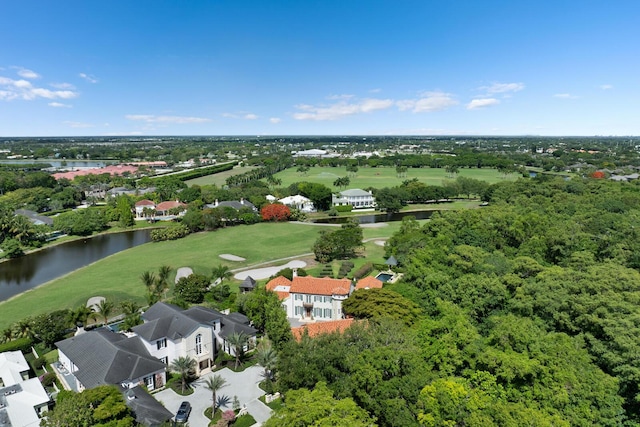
(527, 313)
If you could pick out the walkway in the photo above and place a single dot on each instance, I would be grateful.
(242, 384)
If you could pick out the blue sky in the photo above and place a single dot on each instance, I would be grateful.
(348, 67)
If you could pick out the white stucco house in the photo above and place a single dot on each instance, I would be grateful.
(311, 298)
(355, 197)
(23, 400)
(299, 202)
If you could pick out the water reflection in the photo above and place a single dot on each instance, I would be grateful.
(21, 274)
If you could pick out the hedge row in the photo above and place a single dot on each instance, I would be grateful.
(363, 271)
(197, 173)
(22, 344)
(169, 233)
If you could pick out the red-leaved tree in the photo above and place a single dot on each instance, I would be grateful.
(275, 212)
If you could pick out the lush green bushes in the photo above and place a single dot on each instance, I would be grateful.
(170, 233)
(363, 271)
(22, 344)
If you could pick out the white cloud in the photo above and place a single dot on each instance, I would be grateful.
(23, 89)
(62, 85)
(482, 103)
(59, 105)
(606, 87)
(150, 118)
(89, 78)
(565, 96)
(338, 97)
(340, 109)
(275, 120)
(428, 102)
(240, 115)
(502, 88)
(78, 124)
(28, 74)
(376, 90)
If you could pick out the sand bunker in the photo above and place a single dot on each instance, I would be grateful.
(230, 257)
(183, 272)
(263, 273)
(379, 242)
(94, 302)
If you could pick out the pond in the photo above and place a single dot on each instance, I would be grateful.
(374, 218)
(27, 272)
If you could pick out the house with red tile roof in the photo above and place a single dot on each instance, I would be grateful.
(162, 209)
(319, 328)
(369, 282)
(140, 207)
(311, 298)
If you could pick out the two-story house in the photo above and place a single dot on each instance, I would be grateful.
(169, 332)
(311, 298)
(104, 357)
(355, 197)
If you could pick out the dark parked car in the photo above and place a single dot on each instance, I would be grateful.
(183, 413)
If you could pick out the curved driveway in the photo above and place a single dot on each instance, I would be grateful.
(242, 384)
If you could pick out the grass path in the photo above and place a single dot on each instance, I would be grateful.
(117, 276)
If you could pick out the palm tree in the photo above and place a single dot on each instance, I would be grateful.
(267, 357)
(149, 280)
(237, 340)
(22, 328)
(184, 366)
(162, 284)
(214, 384)
(79, 315)
(221, 272)
(103, 310)
(129, 307)
(7, 335)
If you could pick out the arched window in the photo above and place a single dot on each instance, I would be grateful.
(198, 343)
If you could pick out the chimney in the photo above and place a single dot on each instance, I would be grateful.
(241, 201)
(215, 204)
(295, 272)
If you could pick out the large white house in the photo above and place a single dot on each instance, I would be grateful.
(104, 357)
(299, 202)
(355, 197)
(169, 332)
(22, 399)
(311, 298)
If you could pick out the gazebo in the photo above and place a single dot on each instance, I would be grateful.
(391, 262)
(248, 284)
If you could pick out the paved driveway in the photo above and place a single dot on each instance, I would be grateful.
(242, 384)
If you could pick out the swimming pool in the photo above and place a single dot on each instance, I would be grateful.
(384, 277)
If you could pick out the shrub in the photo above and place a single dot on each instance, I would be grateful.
(48, 379)
(22, 344)
(363, 271)
(169, 233)
(343, 208)
(275, 212)
(38, 363)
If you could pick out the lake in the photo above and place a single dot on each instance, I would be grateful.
(27, 272)
(374, 218)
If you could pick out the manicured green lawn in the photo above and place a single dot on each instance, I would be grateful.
(118, 277)
(386, 176)
(219, 179)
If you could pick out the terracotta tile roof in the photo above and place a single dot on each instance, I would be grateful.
(280, 285)
(318, 328)
(320, 286)
(165, 206)
(369, 282)
(145, 202)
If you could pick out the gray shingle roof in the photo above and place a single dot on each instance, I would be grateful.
(248, 283)
(105, 357)
(147, 410)
(165, 320)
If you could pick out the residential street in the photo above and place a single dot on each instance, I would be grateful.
(242, 384)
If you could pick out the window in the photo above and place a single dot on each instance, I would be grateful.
(327, 313)
(297, 297)
(161, 343)
(317, 312)
(308, 299)
(327, 299)
(148, 381)
(298, 311)
(165, 360)
(198, 344)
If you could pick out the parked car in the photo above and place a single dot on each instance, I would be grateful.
(183, 412)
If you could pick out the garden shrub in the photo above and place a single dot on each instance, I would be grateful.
(363, 271)
(343, 208)
(22, 344)
(169, 233)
